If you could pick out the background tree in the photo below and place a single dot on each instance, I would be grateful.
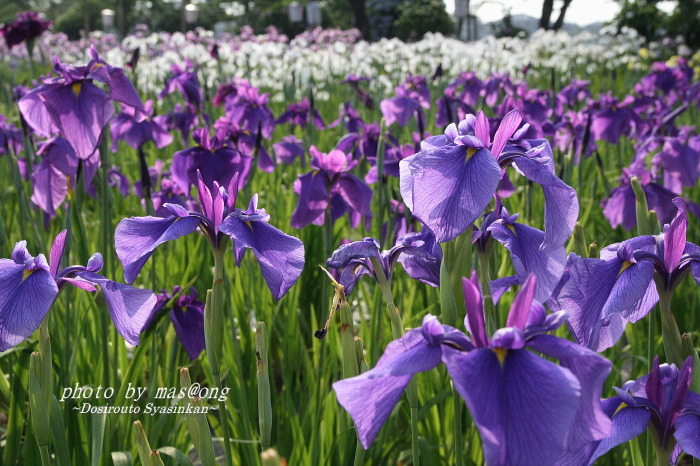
(652, 23)
(548, 9)
(359, 10)
(420, 16)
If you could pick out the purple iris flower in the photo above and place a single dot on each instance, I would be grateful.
(661, 401)
(281, 257)
(70, 104)
(187, 316)
(298, 114)
(248, 108)
(185, 80)
(619, 208)
(354, 82)
(288, 149)
(452, 180)
(246, 143)
(571, 95)
(528, 410)
(136, 128)
(392, 158)
(419, 253)
(331, 182)
(471, 88)
(602, 295)
(10, 137)
(213, 158)
(612, 119)
(183, 120)
(411, 97)
(348, 115)
(680, 159)
(27, 27)
(495, 86)
(31, 284)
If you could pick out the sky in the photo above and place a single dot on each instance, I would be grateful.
(580, 12)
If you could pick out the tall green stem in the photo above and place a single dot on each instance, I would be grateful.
(673, 347)
(214, 337)
(397, 332)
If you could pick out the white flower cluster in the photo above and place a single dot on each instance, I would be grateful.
(271, 65)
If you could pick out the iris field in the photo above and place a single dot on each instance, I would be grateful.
(507, 231)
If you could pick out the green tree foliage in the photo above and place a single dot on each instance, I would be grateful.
(653, 24)
(420, 16)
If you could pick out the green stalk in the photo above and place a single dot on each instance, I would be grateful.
(214, 338)
(580, 247)
(641, 207)
(397, 332)
(457, 426)
(264, 402)
(385, 287)
(673, 347)
(39, 410)
(197, 424)
(362, 365)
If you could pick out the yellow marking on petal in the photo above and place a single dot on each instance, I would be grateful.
(27, 273)
(624, 266)
(620, 408)
(249, 224)
(500, 354)
(471, 151)
(77, 86)
(511, 228)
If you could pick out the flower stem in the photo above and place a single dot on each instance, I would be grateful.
(457, 426)
(214, 334)
(673, 346)
(397, 332)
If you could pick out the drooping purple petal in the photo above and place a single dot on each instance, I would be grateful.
(35, 113)
(447, 189)
(687, 426)
(365, 248)
(599, 293)
(81, 111)
(370, 397)
(591, 370)
(50, 187)
(524, 407)
(398, 109)
(26, 294)
(136, 238)
(355, 193)
(561, 202)
(313, 200)
(189, 327)
(281, 256)
(523, 242)
(129, 307)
